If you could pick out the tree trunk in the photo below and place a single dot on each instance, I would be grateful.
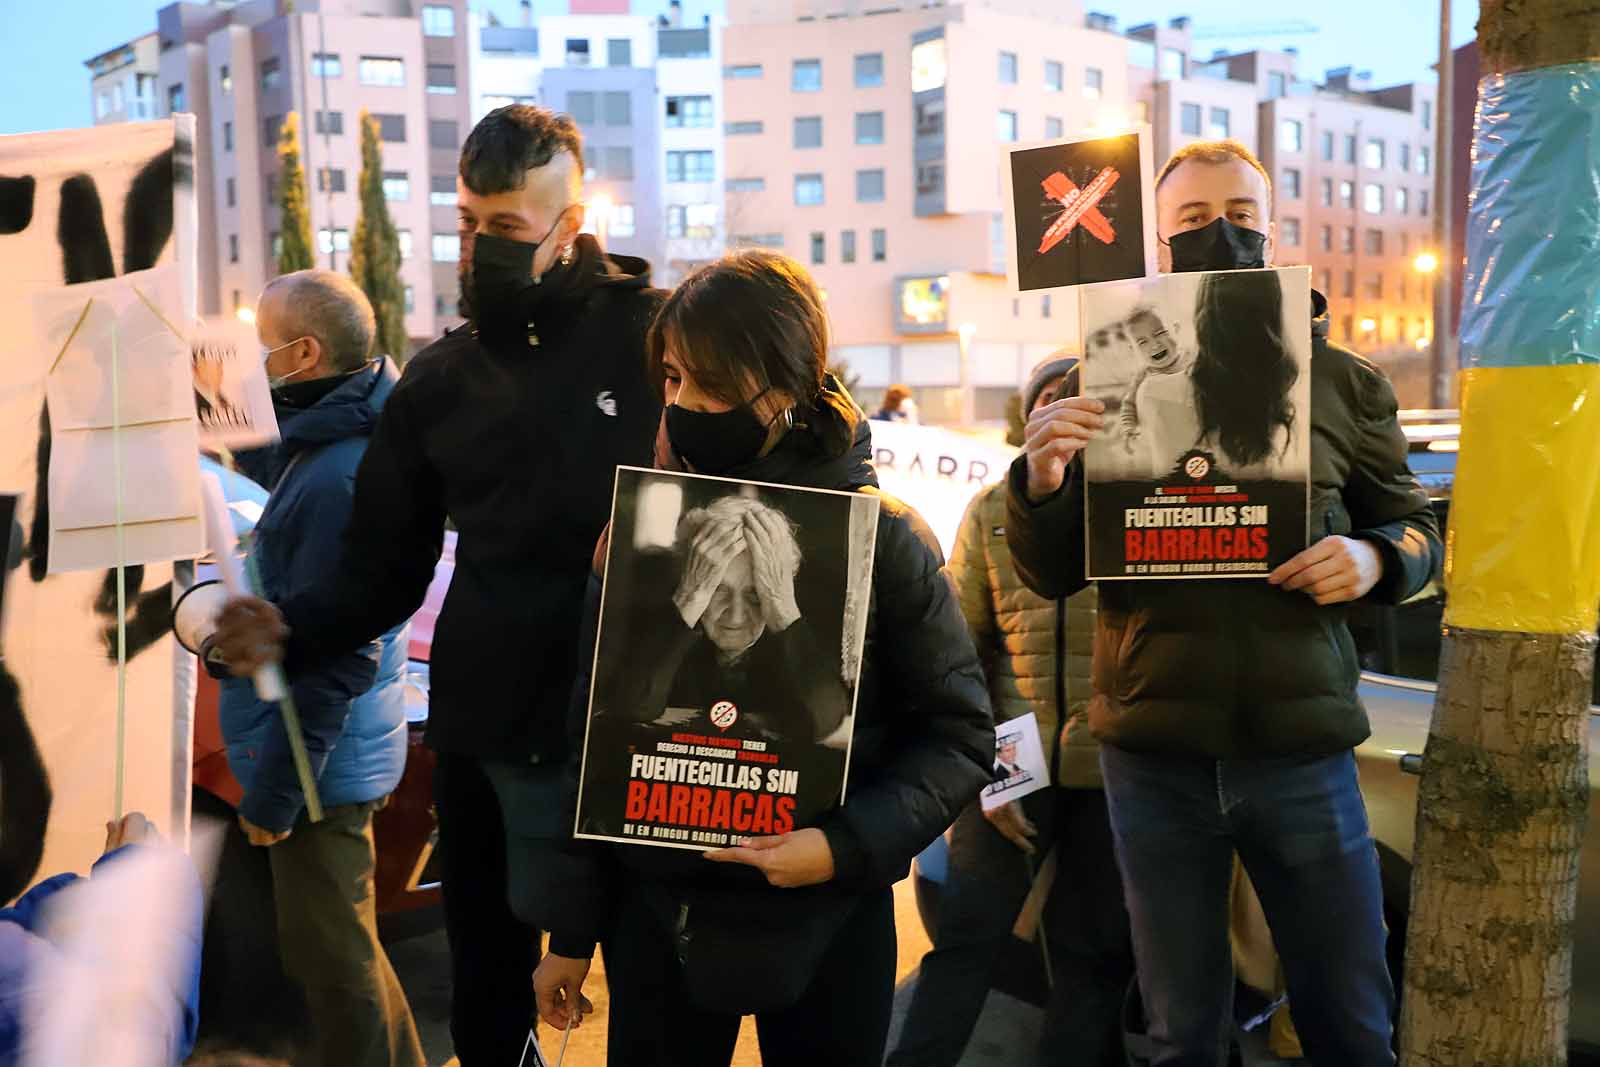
(1500, 822)
(1505, 792)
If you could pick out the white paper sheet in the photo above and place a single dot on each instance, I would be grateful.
(233, 401)
(1020, 766)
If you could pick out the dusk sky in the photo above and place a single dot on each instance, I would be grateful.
(44, 84)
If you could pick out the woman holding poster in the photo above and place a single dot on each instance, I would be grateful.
(796, 928)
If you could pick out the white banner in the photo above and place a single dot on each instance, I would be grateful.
(936, 471)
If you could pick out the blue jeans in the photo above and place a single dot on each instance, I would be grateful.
(1300, 828)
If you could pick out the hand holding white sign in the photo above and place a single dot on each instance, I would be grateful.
(1055, 433)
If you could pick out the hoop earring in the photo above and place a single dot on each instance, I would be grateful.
(566, 256)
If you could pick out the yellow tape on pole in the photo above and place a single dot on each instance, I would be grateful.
(1523, 550)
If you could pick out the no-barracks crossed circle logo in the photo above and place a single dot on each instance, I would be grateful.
(723, 714)
(1197, 465)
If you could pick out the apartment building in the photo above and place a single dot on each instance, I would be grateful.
(122, 82)
(242, 67)
(646, 92)
(864, 139)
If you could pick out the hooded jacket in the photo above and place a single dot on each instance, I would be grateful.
(515, 437)
(1239, 668)
(352, 707)
(922, 747)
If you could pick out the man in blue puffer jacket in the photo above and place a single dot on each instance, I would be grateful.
(316, 329)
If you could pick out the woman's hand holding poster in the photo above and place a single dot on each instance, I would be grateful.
(1202, 467)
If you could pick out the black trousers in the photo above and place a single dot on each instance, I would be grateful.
(492, 953)
(842, 1020)
(1085, 926)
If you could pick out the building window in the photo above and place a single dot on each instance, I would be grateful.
(808, 190)
(444, 133)
(819, 249)
(326, 65)
(175, 99)
(396, 185)
(615, 162)
(1375, 153)
(438, 20)
(1375, 286)
(1347, 239)
(1172, 63)
(880, 245)
(1277, 85)
(748, 70)
(1327, 283)
(1405, 244)
(675, 220)
(1374, 242)
(411, 299)
(1094, 83)
(930, 64)
(1427, 114)
(1424, 158)
(1053, 127)
(225, 80)
(734, 185)
(271, 74)
(807, 76)
(1044, 306)
(1325, 242)
(740, 129)
(272, 188)
(1008, 68)
(869, 186)
(271, 126)
(847, 246)
(622, 221)
(1349, 148)
(275, 239)
(1327, 145)
(1422, 202)
(330, 180)
(577, 52)
(1327, 192)
(1289, 229)
(869, 70)
(1349, 286)
(1291, 131)
(333, 240)
(1291, 183)
(1347, 194)
(929, 118)
(930, 178)
(869, 127)
(1405, 294)
(757, 240)
(691, 111)
(236, 300)
(231, 192)
(580, 105)
(1189, 119)
(404, 238)
(618, 109)
(391, 128)
(233, 248)
(328, 123)
(698, 166)
(1218, 128)
(1402, 201)
(446, 247)
(442, 190)
(442, 79)
(808, 131)
(701, 221)
(1372, 198)
(383, 70)
(1006, 126)
(1055, 76)
(1405, 158)
(619, 53)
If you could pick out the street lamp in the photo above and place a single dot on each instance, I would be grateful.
(246, 316)
(1368, 325)
(1426, 263)
(969, 405)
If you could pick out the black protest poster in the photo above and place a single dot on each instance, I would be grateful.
(1202, 469)
(1079, 211)
(732, 621)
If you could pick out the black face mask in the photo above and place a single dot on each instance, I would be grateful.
(501, 275)
(1219, 245)
(716, 442)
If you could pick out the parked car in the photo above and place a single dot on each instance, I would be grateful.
(1399, 648)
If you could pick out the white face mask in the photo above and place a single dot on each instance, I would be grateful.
(274, 382)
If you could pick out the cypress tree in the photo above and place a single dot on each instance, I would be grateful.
(294, 252)
(375, 249)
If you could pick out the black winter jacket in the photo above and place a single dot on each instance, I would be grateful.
(518, 445)
(922, 749)
(1239, 668)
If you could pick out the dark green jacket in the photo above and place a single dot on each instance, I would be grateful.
(1238, 668)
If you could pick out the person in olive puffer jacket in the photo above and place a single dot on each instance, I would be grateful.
(1036, 655)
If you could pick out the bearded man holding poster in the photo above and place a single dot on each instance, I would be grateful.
(1228, 712)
